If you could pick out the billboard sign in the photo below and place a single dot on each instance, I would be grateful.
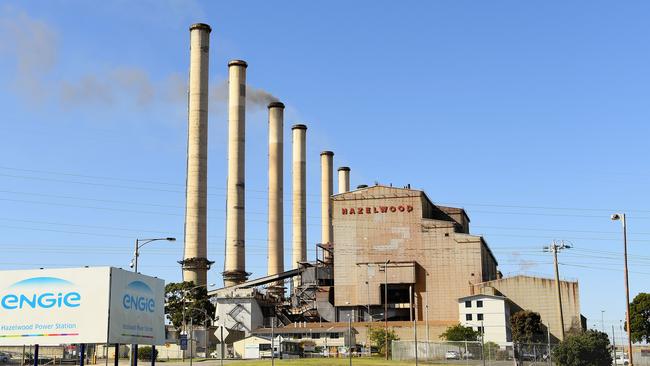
(137, 308)
(54, 306)
(80, 305)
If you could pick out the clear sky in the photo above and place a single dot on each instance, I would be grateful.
(531, 115)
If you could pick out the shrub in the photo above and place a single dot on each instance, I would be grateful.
(144, 353)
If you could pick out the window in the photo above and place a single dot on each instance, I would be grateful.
(468, 304)
(479, 316)
(468, 316)
(479, 303)
(334, 335)
(315, 336)
(480, 330)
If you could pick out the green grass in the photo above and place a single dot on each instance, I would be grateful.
(328, 362)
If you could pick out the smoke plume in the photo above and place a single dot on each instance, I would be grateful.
(33, 46)
(255, 98)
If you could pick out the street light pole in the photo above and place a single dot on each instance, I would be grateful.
(139, 243)
(272, 341)
(386, 308)
(350, 338)
(621, 217)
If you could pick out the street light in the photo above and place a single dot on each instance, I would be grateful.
(205, 324)
(191, 323)
(139, 243)
(621, 217)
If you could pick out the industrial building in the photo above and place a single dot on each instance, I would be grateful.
(385, 253)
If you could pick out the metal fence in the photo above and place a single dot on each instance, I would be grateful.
(472, 353)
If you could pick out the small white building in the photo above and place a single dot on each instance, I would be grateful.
(487, 314)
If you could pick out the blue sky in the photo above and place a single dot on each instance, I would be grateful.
(531, 115)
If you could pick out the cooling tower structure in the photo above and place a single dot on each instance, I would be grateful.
(299, 195)
(326, 191)
(344, 179)
(276, 192)
(195, 263)
(235, 266)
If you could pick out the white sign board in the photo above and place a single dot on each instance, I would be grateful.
(80, 305)
(137, 309)
(221, 330)
(54, 306)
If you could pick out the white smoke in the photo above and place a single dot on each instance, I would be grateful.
(33, 45)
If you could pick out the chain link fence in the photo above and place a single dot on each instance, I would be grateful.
(472, 353)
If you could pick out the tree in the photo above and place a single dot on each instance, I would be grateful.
(459, 333)
(377, 337)
(640, 318)
(181, 300)
(526, 327)
(590, 348)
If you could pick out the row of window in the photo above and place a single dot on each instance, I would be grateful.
(314, 335)
(479, 303)
(469, 317)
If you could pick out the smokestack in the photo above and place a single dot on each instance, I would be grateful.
(235, 269)
(276, 191)
(195, 263)
(299, 187)
(326, 191)
(344, 179)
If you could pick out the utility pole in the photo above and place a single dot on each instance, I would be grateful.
(548, 339)
(614, 344)
(602, 321)
(555, 248)
(627, 287)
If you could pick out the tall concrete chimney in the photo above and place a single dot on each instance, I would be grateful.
(326, 191)
(299, 195)
(195, 263)
(276, 191)
(344, 179)
(235, 269)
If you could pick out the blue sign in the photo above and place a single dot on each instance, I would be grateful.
(183, 342)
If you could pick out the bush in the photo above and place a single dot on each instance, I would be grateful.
(590, 348)
(144, 353)
(378, 339)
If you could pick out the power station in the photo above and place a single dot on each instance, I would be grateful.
(386, 254)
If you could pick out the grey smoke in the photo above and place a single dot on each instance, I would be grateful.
(33, 45)
(524, 264)
(255, 97)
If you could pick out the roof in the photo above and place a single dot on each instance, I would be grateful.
(471, 297)
(535, 278)
(439, 214)
(292, 330)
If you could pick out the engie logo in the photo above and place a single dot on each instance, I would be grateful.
(139, 297)
(32, 294)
